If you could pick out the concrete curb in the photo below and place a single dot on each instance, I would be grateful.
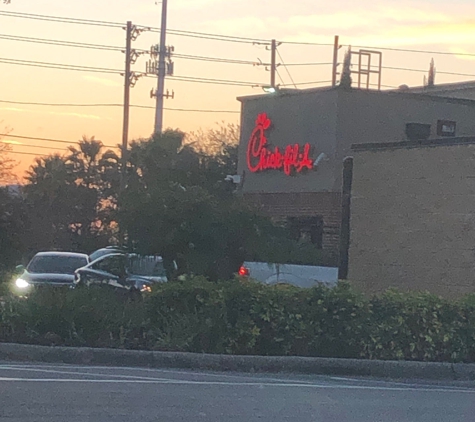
(270, 364)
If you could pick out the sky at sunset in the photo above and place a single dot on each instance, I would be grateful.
(438, 26)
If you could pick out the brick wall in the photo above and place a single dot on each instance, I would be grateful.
(307, 204)
(413, 219)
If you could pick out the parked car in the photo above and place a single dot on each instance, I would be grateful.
(50, 268)
(123, 271)
(105, 251)
(296, 275)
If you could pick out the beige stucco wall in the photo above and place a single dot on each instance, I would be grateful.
(413, 220)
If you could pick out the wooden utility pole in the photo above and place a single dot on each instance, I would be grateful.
(162, 71)
(336, 47)
(273, 66)
(127, 82)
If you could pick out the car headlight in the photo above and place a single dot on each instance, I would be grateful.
(22, 284)
(146, 288)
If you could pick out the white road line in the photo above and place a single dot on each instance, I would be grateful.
(27, 369)
(171, 371)
(242, 384)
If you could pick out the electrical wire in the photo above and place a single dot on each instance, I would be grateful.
(210, 81)
(282, 60)
(218, 37)
(60, 66)
(214, 59)
(448, 53)
(308, 83)
(61, 19)
(32, 146)
(309, 64)
(318, 44)
(425, 71)
(280, 77)
(48, 139)
(60, 42)
(117, 71)
(193, 34)
(114, 105)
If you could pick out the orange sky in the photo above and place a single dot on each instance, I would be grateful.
(428, 25)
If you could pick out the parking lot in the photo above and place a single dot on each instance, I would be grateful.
(42, 392)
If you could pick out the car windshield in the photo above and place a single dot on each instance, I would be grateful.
(147, 266)
(56, 264)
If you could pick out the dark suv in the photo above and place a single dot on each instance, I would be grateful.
(123, 271)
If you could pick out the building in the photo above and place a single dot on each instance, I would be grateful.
(413, 216)
(293, 144)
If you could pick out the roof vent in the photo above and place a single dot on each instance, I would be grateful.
(417, 131)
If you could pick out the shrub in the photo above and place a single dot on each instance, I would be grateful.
(244, 317)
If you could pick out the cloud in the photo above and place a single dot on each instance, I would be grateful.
(405, 24)
(8, 141)
(102, 81)
(56, 113)
(72, 114)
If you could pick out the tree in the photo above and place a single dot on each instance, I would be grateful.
(6, 164)
(12, 228)
(70, 198)
(430, 81)
(174, 206)
(346, 81)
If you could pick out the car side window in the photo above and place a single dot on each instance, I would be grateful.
(112, 264)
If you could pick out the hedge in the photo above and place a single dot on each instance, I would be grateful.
(243, 317)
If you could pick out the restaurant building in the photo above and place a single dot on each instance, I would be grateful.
(293, 144)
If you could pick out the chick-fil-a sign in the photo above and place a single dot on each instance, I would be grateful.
(293, 158)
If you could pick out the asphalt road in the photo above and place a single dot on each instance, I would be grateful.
(59, 393)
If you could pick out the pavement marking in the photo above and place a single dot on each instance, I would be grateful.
(50, 371)
(171, 371)
(241, 384)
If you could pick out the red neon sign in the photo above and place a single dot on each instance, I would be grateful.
(260, 157)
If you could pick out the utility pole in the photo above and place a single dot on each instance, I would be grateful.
(273, 66)
(336, 47)
(161, 71)
(130, 78)
(127, 83)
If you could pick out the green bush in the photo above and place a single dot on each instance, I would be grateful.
(243, 317)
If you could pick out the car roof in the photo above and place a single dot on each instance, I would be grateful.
(65, 254)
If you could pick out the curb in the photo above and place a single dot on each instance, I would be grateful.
(220, 363)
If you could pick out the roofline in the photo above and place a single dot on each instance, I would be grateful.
(287, 92)
(443, 87)
(407, 93)
(383, 146)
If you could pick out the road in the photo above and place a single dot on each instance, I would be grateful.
(59, 393)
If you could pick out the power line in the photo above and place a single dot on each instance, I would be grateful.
(308, 83)
(309, 64)
(290, 76)
(31, 146)
(59, 66)
(61, 19)
(306, 43)
(114, 105)
(425, 71)
(211, 81)
(59, 42)
(117, 71)
(116, 48)
(50, 18)
(214, 59)
(48, 140)
(417, 51)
